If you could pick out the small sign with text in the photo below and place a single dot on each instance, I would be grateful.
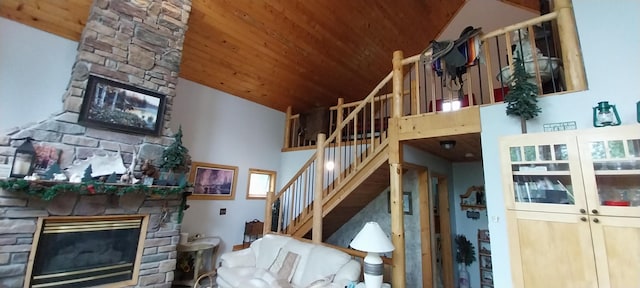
(560, 126)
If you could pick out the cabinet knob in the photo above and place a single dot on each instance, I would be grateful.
(594, 211)
(583, 219)
(583, 211)
(595, 220)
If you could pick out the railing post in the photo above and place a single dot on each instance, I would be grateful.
(268, 212)
(395, 170)
(287, 129)
(316, 235)
(571, 53)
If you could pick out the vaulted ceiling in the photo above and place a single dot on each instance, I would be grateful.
(280, 53)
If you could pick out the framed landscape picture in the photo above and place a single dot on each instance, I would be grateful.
(212, 181)
(113, 105)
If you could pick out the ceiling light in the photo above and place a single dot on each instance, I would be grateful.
(469, 155)
(448, 144)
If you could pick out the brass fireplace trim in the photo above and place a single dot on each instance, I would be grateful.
(81, 271)
(83, 226)
(83, 220)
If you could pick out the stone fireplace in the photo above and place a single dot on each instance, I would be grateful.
(137, 42)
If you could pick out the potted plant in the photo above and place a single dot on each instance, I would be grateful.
(465, 255)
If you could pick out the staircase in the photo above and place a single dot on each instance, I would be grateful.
(359, 151)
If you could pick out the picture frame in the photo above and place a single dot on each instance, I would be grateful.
(406, 201)
(118, 106)
(213, 181)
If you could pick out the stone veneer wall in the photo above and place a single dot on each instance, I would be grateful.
(19, 214)
(138, 42)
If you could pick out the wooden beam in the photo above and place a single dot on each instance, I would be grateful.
(317, 192)
(398, 278)
(463, 121)
(424, 185)
(574, 74)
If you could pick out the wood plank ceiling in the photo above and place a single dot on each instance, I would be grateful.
(282, 53)
(279, 53)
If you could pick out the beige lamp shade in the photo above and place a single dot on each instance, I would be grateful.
(372, 239)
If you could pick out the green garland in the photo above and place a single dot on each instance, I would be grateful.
(47, 190)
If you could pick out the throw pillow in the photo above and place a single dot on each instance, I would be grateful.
(285, 265)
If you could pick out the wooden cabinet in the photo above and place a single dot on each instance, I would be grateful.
(573, 207)
(484, 258)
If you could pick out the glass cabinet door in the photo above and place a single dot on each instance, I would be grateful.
(611, 165)
(542, 173)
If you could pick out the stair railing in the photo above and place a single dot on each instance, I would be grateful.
(356, 138)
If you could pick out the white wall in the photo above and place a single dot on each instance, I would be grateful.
(35, 68)
(223, 129)
(466, 175)
(610, 40)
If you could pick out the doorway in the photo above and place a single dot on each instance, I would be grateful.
(437, 255)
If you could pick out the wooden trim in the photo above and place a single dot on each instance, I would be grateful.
(425, 227)
(574, 74)
(445, 232)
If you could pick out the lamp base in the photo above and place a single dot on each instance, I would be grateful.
(373, 268)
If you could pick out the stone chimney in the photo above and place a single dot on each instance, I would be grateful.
(137, 42)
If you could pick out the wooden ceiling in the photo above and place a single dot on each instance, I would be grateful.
(279, 53)
(282, 53)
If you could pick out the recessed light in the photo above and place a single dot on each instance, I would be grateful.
(469, 155)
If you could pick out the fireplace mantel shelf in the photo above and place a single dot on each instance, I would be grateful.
(47, 189)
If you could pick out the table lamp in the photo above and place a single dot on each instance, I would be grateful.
(373, 240)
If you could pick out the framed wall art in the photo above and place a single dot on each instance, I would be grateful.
(212, 181)
(118, 106)
(406, 202)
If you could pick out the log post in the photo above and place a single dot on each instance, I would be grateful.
(287, 129)
(574, 74)
(268, 212)
(398, 273)
(316, 235)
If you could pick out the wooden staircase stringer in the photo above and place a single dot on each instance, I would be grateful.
(373, 165)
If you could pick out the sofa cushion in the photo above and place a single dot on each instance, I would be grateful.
(285, 264)
(326, 262)
(267, 249)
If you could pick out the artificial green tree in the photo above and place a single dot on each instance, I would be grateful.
(522, 99)
(175, 158)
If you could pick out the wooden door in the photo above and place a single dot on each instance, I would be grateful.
(616, 242)
(551, 250)
(541, 172)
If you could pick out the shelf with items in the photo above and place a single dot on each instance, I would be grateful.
(473, 199)
(484, 258)
(596, 178)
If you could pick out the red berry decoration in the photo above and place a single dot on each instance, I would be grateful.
(91, 189)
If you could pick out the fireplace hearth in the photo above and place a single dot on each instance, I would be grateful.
(87, 251)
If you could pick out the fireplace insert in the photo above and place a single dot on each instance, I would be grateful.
(86, 251)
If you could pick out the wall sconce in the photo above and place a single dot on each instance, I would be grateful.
(24, 159)
(605, 114)
(447, 144)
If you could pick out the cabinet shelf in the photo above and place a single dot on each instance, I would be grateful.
(616, 172)
(541, 173)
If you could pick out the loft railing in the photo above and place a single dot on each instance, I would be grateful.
(556, 68)
(355, 139)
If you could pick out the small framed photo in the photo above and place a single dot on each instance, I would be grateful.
(212, 181)
(118, 106)
(406, 202)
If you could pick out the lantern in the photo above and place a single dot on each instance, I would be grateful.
(605, 114)
(23, 160)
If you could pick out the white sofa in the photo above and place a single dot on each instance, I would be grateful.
(281, 261)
